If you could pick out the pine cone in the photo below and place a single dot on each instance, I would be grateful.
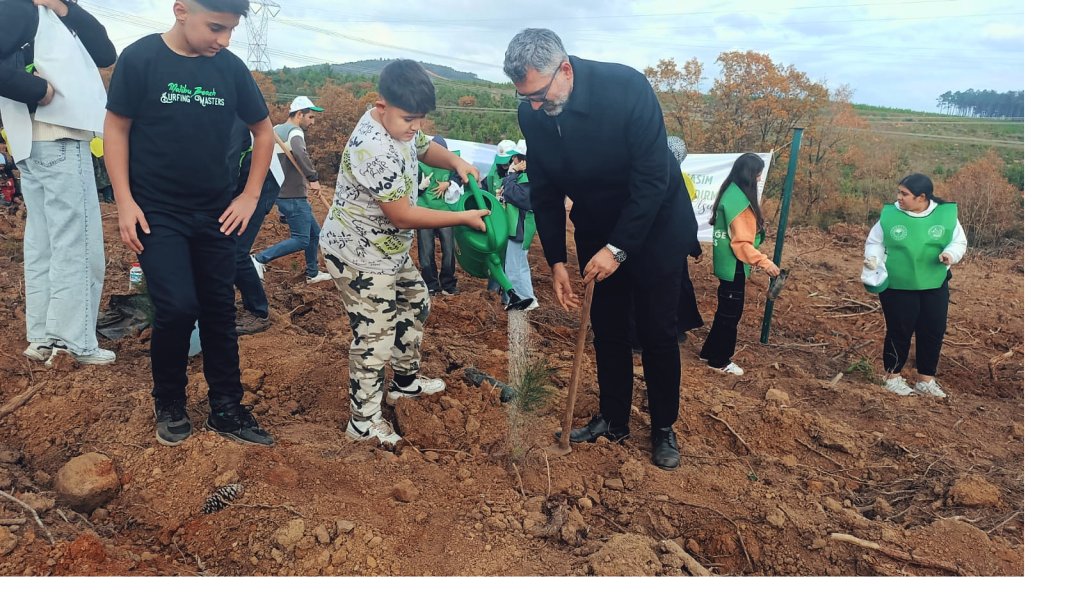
(222, 497)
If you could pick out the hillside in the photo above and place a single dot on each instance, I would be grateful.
(784, 469)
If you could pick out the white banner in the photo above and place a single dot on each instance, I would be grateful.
(707, 170)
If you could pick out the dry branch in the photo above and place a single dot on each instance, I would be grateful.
(736, 435)
(33, 513)
(897, 555)
(695, 568)
(21, 399)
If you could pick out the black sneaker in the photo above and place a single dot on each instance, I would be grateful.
(172, 425)
(236, 422)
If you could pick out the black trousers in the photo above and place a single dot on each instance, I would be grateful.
(719, 347)
(919, 312)
(653, 297)
(189, 266)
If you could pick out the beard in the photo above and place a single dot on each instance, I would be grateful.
(552, 108)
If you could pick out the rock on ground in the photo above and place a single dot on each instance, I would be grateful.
(87, 482)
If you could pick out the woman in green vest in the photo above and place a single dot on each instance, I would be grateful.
(738, 231)
(907, 262)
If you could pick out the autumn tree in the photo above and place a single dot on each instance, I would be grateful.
(755, 102)
(989, 207)
(683, 106)
(827, 145)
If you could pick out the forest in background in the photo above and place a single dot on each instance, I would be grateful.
(851, 159)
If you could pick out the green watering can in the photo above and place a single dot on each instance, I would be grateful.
(481, 254)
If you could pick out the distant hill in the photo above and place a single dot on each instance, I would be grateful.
(374, 67)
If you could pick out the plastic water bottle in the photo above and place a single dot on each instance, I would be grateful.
(136, 276)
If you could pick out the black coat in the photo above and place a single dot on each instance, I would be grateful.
(607, 152)
(20, 25)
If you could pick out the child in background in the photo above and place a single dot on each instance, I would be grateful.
(366, 239)
(172, 102)
(738, 231)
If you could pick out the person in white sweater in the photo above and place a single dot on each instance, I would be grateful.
(906, 261)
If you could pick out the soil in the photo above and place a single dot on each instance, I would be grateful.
(778, 464)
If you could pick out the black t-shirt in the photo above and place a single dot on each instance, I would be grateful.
(182, 111)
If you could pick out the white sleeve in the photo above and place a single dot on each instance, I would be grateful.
(453, 193)
(875, 246)
(956, 248)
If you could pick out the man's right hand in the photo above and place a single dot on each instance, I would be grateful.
(562, 288)
(128, 216)
(314, 185)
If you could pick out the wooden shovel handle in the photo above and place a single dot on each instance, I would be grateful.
(576, 368)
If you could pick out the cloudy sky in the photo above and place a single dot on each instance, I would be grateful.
(901, 54)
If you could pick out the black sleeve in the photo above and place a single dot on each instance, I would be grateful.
(128, 86)
(91, 34)
(19, 19)
(645, 139)
(251, 104)
(515, 193)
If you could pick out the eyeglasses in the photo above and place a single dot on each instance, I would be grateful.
(539, 96)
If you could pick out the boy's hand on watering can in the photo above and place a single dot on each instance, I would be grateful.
(465, 169)
(475, 218)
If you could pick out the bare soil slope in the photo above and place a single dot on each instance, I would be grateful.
(779, 464)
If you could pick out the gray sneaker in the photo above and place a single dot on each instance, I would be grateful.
(172, 425)
(248, 323)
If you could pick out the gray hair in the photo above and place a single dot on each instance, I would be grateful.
(536, 48)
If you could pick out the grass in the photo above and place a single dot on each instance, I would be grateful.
(864, 367)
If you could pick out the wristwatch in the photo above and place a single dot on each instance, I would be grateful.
(618, 253)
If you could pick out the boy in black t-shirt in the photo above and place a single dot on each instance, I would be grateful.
(172, 102)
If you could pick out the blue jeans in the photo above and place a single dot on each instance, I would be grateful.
(63, 258)
(517, 269)
(249, 285)
(304, 234)
(425, 249)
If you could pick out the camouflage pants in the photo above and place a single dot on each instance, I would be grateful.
(386, 314)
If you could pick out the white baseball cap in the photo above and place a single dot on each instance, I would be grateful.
(302, 103)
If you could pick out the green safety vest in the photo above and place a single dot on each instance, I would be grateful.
(427, 199)
(731, 205)
(913, 245)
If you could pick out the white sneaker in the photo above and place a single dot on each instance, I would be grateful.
(731, 368)
(259, 267)
(97, 357)
(318, 278)
(931, 388)
(898, 386)
(40, 351)
(422, 385)
(376, 428)
(533, 305)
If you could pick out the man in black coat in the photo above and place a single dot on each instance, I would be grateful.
(598, 137)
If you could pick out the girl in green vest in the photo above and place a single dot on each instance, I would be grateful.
(915, 242)
(738, 231)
